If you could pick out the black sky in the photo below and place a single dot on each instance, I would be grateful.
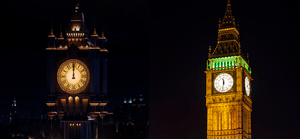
(180, 34)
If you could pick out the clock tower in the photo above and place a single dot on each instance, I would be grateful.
(77, 79)
(228, 88)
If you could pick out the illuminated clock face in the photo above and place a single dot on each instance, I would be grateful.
(247, 86)
(223, 82)
(73, 76)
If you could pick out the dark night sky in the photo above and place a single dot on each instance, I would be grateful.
(26, 25)
(180, 34)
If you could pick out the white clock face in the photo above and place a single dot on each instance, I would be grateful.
(247, 86)
(223, 82)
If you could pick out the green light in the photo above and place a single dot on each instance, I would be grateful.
(227, 63)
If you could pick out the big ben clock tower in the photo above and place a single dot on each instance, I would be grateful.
(228, 88)
(77, 79)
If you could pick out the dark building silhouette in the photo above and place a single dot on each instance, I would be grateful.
(131, 119)
(77, 79)
(127, 121)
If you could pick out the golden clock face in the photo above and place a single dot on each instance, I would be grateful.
(73, 76)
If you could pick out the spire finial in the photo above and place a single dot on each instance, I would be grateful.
(77, 6)
(51, 32)
(94, 23)
(209, 51)
(95, 33)
(248, 57)
(228, 20)
(51, 27)
(60, 36)
(102, 33)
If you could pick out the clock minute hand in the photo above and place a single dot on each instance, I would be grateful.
(73, 71)
(223, 83)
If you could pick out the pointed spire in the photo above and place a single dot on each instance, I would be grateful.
(94, 33)
(209, 51)
(76, 7)
(228, 36)
(51, 32)
(102, 33)
(60, 35)
(228, 20)
(248, 57)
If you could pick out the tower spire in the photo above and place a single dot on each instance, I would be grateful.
(102, 33)
(51, 32)
(95, 33)
(228, 20)
(228, 36)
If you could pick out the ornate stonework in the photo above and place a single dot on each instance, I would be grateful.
(228, 113)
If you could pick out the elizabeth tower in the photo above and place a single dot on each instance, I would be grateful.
(77, 79)
(228, 90)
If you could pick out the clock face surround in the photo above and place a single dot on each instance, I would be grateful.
(73, 76)
(223, 82)
(247, 86)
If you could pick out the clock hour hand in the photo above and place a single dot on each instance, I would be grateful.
(73, 71)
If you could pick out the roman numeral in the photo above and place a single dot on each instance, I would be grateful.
(68, 66)
(80, 84)
(66, 84)
(83, 73)
(80, 68)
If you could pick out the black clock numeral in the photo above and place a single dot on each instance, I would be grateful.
(69, 67)
(63, 81)
(77, 66)
(66, 85)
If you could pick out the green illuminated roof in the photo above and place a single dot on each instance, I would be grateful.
(229, 62)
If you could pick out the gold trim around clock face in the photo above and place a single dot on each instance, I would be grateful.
(73, 76)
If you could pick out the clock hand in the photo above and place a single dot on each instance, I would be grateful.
(223, 83)
(73, 72)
